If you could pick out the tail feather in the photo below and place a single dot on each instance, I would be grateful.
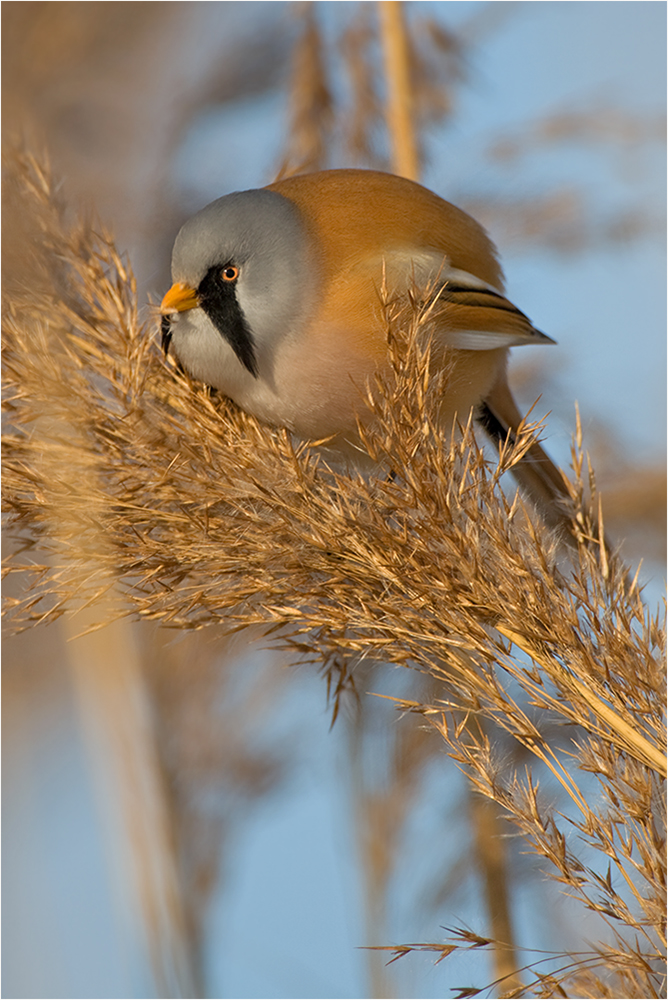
(537, 475)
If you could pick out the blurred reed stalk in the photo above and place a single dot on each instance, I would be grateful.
(309, 98)
(117, 722)
(400, 119)
(115, 711)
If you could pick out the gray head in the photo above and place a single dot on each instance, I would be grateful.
(249, 257)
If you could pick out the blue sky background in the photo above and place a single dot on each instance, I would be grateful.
(290, 919)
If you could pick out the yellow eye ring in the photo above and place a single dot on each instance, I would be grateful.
(230, 273)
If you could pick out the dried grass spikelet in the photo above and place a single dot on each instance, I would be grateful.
(311, 111)
(363, 121)
(126, 483)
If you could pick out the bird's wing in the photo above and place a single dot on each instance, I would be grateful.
(473, 316)
(465, 312)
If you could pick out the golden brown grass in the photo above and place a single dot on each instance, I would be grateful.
(136, 494)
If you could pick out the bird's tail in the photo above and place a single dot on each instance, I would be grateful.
(537, 475)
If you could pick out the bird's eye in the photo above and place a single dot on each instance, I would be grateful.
(230, 273)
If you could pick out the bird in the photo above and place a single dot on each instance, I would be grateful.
(276, 302)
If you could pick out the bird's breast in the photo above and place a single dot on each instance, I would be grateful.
(315, 380)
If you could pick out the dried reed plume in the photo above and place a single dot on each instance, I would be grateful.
(136, 493)
(400, 77)
(311, 105)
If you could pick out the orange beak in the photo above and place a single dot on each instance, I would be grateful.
(179, 298)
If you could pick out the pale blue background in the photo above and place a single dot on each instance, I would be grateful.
(290, 921)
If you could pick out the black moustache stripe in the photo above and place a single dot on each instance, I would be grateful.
(218, 299)
(165, 334)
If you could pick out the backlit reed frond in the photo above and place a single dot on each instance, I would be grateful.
(134, 491)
